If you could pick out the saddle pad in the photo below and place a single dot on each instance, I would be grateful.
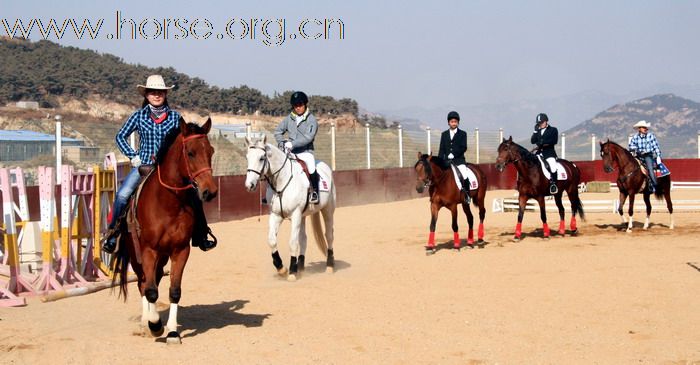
(468, 174)
(561, 172)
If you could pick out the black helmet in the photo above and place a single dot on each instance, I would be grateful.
(298, 97)
(542, 117)
(452, 115)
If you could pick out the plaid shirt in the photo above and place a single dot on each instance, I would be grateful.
(150, 133)
(643, 144)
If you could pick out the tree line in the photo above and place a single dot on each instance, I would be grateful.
(44, 71)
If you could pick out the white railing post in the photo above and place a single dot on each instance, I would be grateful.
(248, 129)
(592, 147)
(59, 149)
(500, 135)
(698, 144)
(333, 146)
(476, 135)
(369, 151)
(427, 129)
(563, 145)
(400, 146)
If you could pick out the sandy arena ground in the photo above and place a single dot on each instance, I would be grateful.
(603, 297)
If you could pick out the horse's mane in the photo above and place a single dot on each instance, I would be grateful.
(525, 154)
(625, 151)
(436, 160)
(170, 138)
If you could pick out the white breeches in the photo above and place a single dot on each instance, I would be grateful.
(309, 160)
(552, 162)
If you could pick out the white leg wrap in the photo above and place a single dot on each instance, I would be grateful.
(172, 318)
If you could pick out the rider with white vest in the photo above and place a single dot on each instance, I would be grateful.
(546, 137)
(301, 127)
(453, 145)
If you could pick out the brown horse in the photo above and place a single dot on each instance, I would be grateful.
(436, 174)
(165, 215)
(532, 183)
(631, 178)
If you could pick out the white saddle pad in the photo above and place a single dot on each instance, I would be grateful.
(561, 172)
(467, 173)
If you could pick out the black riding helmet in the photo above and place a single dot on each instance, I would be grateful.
(542, 117)
(452, 115)
(298, 97)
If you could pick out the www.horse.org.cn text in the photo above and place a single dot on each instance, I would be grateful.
(270, 32)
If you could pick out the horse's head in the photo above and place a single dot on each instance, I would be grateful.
(507, 153)
(424, 173)
(258, 160)
(196, 162)
(606, 153)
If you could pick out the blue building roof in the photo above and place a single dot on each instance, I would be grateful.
(31, 136)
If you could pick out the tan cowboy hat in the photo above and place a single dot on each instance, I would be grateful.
(642, 124)
(154, 82)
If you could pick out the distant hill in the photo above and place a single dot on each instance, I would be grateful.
(47, 72)
(674, 120)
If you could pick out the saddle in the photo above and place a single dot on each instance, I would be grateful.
(128, 218)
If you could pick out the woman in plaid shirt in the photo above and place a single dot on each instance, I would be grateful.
(153, 122)
(645, 146)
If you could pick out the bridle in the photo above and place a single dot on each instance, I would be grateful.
(273, 176)
(512, 160)
(192, 176)
(616, 160)
(427, 182)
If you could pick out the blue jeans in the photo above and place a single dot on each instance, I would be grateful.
(131, 182)
(649, 163)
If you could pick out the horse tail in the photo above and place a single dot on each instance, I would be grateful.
(576, 204)
(577, 207)
(664, 185)
(120, 267)
(318, 233)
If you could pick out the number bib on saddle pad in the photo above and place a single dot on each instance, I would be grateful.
(561, 172)
(467, 173)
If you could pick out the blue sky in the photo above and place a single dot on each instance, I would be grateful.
(429, 54)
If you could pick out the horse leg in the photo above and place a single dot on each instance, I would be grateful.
(455, 227)
(482, 216)
(430, 248)
(620, 210)
(630, 212)
(275, 221)
(177, 267)
(327, 214)
(302, 244)
(296, 220)
(647, 202)
(560, 207)
(470, 221)
(522, 202)
(150, 315)
(543, 217)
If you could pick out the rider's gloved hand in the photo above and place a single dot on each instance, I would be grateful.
(288, 146)
(136, 161)
(658, 160)
(450, 156)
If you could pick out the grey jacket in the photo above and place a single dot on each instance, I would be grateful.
(302, 136)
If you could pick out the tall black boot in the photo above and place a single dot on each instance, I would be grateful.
(201, 231)
(553, 183)
(465, 190)
(313, 199)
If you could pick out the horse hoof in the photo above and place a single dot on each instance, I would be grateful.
(516, 239)
(292, 277)
(628, 230)
(429, 251)
(457, 249)
(546, 238)
(156, 329)
(173, 338)
(282, 271)
(329, 269)
(562, 233)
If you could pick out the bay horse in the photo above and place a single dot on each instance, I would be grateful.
(437, 175)
(287, 195)
(165, 217)
(532, 183)
(631, 179)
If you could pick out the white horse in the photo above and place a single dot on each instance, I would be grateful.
(287, 195)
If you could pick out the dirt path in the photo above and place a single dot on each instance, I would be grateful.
(603, 297)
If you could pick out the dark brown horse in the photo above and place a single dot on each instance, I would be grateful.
(631, 180)
(436, 174)
(165, 215)
(532, 184)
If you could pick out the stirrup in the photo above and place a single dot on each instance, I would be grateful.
(109, 242)
(553, 189)
(313, 197)
(467, 198)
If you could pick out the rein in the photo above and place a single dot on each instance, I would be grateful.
(273, 176)
(191, 176)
